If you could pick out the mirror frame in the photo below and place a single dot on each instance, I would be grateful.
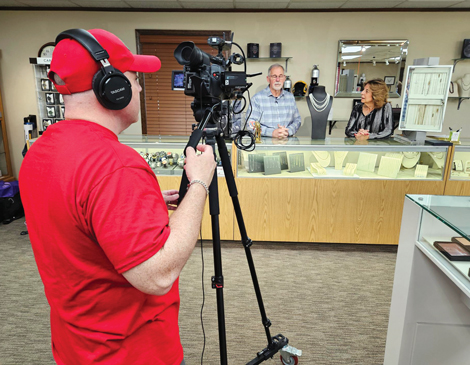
(399, 77)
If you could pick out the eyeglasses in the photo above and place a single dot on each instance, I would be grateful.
(274, 77)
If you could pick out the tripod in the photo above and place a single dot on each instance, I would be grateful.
(213, 135)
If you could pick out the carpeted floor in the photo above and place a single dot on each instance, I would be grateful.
(331, 300)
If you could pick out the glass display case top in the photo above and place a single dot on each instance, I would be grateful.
(454, 211)
(143, 138)
(344, 143)
(342, 158)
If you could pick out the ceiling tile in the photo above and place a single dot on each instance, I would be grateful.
(274, 5)
(427, 4)
(153, 4)
(362, 4)
(4, 3)
(49, 3)
(206, 5)
(463, 4)
(316, 5)
(246, 5)
(101, 4)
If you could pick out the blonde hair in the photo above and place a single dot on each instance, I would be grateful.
(379, 92)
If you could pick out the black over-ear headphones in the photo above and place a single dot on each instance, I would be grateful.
(112, 88)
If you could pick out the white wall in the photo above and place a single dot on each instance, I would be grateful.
(310, 38)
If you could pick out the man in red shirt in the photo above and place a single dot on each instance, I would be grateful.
(107, 252)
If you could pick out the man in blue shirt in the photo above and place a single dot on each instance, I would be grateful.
(274, 107)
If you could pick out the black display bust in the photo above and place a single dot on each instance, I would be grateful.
(319, 114)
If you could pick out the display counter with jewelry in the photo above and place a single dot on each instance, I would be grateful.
(385, 159)
(334, 190)
(164, 154)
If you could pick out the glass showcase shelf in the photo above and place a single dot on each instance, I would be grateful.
(445, 222)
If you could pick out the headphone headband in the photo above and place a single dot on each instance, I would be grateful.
(87, 40)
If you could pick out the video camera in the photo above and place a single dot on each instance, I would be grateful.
(211, 81)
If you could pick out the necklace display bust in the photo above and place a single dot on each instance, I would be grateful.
(464, 85)
(319, 103)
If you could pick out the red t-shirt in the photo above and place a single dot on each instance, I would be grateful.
(94, 210)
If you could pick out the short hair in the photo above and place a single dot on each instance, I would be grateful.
(275, 65)
(379, 92)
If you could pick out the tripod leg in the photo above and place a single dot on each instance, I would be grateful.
(217, 279)
(277, 342)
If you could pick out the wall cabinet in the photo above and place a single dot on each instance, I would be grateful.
(51, 107)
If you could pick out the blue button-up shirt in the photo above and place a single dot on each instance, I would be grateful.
(272, 112)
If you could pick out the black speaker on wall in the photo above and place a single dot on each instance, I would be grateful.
(275, 50)
(466, 48)
(253, 50)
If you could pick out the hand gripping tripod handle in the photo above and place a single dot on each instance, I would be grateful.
(193, 142)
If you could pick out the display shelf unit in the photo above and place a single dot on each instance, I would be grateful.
(457, 60)
(170, 177)
(51, 107)
(429, 319)
(460, 99)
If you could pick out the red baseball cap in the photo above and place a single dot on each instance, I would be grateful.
(76, 67)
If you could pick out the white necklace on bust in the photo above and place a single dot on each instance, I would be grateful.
(464, 84)
(320, 106)
(410, 159)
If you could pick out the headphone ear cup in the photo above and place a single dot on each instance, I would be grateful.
(113, 91)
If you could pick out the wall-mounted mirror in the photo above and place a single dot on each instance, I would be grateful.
(359, 61)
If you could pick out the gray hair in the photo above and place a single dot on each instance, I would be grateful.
(273, 66)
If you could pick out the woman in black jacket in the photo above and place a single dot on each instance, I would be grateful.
(372, 117)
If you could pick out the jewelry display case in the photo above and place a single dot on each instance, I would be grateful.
(420, 332)
(155, 149)
(164, 154)
(461, 162)
(338, 158)
(301, 192)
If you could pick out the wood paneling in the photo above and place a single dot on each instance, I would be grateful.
(457, 187)
(335, 211)
(167, 111)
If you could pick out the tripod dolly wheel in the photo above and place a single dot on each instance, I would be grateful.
(293, 360)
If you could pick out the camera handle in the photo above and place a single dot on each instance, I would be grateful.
(276, 343)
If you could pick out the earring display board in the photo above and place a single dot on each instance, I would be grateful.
(366, 161)
(425, 99)
(51, 107)
(389, 167)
